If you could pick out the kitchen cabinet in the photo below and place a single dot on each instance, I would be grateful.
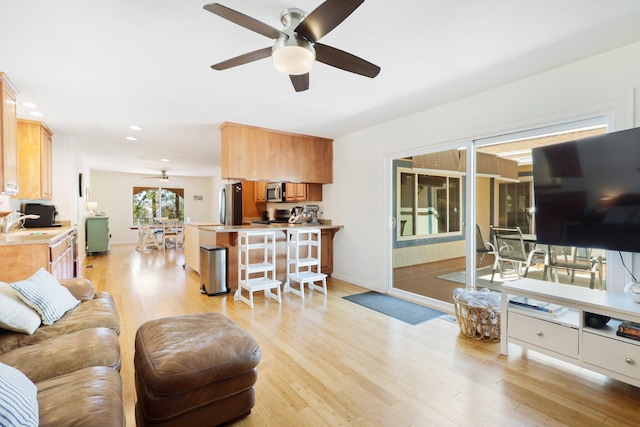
(326, 254)
(19, 261)
(97, 234)
(34, 160)
(196, 236)
(260, 191)
(8, 137)
(565, 334)
(61, 262)
(296, 192)
(249, 208)
(253, 153)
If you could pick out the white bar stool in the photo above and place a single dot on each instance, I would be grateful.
(303, 261)
(258, 274)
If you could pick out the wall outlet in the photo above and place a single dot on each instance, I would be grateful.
(4, 203)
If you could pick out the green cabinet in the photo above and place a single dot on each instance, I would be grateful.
(97, 234)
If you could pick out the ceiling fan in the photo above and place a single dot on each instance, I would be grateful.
(296, 47)
(163, 177)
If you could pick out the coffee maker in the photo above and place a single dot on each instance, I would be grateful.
(311, 212)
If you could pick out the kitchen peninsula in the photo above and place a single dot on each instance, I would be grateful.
(203, 234)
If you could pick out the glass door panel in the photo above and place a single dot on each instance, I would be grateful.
(515, 206)
(407, 202)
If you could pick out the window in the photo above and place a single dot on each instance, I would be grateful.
(515, 206)
(429, 204)
(157, 202)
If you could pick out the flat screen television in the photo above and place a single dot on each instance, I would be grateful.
(587, 192)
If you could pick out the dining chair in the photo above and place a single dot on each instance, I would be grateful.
(146, 238)
(172, 233)
(510, 248)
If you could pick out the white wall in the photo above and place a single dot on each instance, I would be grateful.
(359, 197)
(113, 193)
(67, 165)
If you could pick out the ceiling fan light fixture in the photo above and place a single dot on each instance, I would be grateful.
(293, 56)
(163, 179)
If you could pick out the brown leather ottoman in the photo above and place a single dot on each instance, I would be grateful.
(194, 370)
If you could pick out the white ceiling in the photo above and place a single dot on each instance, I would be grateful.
(95, 68)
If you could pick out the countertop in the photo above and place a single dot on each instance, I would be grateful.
(33, 236)
(236, 228)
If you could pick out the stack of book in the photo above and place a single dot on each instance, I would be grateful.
(629, 330)
(539, 306)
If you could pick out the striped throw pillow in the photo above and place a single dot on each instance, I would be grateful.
(18, 398)
(44, 293)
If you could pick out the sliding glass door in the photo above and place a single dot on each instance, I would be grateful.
(429, 239)
(432, 206)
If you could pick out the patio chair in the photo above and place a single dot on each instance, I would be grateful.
(588, 262)
(482, 247)
(510, 248)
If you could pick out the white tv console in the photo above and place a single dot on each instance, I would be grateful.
(565, 336)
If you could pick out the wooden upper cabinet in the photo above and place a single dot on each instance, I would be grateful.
(249, 208)
(253, 153)
(296, 192)
(313, 192)
(303, 192)
(34, 160)
(8, 137)
(260, 191)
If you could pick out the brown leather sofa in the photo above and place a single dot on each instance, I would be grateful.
(74, 362)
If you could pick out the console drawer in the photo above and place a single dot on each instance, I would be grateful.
(545, 334)
(612, 354)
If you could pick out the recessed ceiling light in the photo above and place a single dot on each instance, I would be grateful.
(29, 105)
(132, 138)
(134, 127)
(36, 113)
(165, 160)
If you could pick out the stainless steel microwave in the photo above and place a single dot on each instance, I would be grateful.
(275, 192)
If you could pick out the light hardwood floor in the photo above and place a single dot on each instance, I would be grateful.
(423, 279)
(330, 362)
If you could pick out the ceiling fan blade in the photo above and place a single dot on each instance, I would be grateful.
(325, 18)
(244, 20)
(300, 82)
(345, 61)
(243, 59)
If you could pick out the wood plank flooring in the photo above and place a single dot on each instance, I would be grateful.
(423, 279)
(330, 362)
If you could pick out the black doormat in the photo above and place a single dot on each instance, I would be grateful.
(395, 307)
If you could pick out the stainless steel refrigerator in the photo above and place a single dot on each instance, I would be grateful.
(231, 204)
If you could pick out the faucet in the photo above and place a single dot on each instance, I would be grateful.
(13, 219)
